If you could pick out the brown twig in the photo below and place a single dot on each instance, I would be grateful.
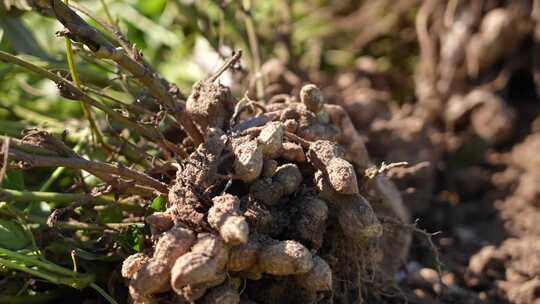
(4, 150)
(79, 30)
(133, 108)
(299, 140)
(226, 65)
(25, 147)
(372, 172)
(151, 133)
(99, 169)
(253, 43)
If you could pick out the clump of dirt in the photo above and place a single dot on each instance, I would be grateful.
(273, 207)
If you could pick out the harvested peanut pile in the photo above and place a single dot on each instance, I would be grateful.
(272, 207)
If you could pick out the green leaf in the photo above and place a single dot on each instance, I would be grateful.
(90, 256)
(65, 246)
(132, 239)
(110, 214)
(158, 204)
(159, 34)
(12, 235)
(40, 209)
(137, 239)
(151, 8)
(19, 4)
(21, 38)
(14, 180)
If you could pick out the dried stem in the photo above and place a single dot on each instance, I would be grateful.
(254, 47)
(151, 133)
(103, 48)
(99, 169)
(226, 65)
(58, 171)
(299, 140)
(62, 199)
(4, 150)
(372, 172)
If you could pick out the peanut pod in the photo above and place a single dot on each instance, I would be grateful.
(328, 157)
(248, 161)
(355, 215)
(319, 278)
(154, 276)
(133, 263)
(224, 294)
(284, 258)
(225, 217)
(202, 267)
(285, 181)
(159, 222)
(271, 138)
(312, 98)
(310, 222)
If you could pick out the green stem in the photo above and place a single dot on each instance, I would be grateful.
(24, 288)
(36, 262)
(54, 176)
(58, 171)
(35, 117)
(35, 272)
(96, 133)
(48, 296)
(75, 225)
(11, 128)
(71, 63)
(107, 12)
(149, 133)
(103, 293)
(58, 275)
(73, 280)
(28, 231)
(72, 224)
(14, 129)
(64, 199)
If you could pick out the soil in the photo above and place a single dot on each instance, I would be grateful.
(475, 188)
(484, 202)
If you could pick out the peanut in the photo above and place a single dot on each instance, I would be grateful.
(225, 217)
(285, 258)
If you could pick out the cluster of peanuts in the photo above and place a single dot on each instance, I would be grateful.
(251, 207)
